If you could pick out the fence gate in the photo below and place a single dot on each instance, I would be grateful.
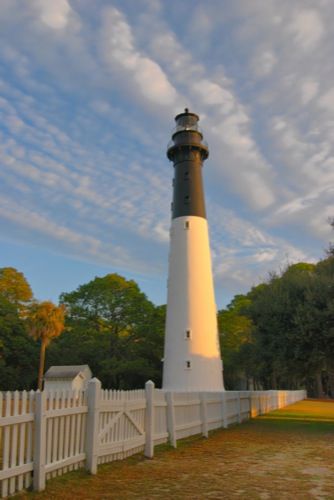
(121, 424)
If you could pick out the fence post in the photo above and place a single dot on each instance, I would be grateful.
(249, 403)
(224, 403)
(204, 414)
(149, 420)
(92, 432)
(39, 441)
(171, 419)
(239, 408)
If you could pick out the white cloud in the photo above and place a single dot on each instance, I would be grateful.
(263, 63)
(120, 53)
(35, 221)
(265, 255)
(239, 271)
(307, 28)
(243, 253)
(161, 229)
(54, 14)
(260, 195)
(319, 220)
(309, 89)
(248, 172)
(201, 23)
(100, 106)
(326, 101)
(213, 94)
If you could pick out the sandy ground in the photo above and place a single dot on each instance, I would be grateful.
(288, 454)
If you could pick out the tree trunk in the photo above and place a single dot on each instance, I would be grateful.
(318, 378)
(331, 382)
(41, 365)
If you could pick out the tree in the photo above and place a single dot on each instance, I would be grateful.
(112, 326)
(330, 250)
(275, 334)
(45, 321)
(18, 352)
(314, 319)
(15, 288)
(281, 333)
(292, 340)
(235, 330)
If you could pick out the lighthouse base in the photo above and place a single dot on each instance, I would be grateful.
(205, 374)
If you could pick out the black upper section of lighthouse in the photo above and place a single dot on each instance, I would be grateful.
(187, 151)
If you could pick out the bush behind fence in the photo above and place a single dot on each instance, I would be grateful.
(46, 434)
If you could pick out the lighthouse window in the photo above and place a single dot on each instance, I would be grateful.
(188, 364)
(188, 334)
(186, 224)
(186, 199)
(186, 175)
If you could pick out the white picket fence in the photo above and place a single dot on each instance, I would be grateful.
(46, 434)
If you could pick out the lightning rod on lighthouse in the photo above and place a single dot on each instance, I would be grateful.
(192, 360)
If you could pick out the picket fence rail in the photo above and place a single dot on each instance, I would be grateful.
(46, 434)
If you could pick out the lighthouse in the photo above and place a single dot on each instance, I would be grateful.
(192, 360)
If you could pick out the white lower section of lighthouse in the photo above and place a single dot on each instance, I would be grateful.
(192, 360)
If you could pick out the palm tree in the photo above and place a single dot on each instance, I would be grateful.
(45, 321)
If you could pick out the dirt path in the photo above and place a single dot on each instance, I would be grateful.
(288, 454)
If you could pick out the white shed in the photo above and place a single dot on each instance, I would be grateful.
(67, 377)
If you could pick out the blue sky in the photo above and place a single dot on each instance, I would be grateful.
(88, 95)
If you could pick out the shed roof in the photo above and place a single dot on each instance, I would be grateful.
(67, 371)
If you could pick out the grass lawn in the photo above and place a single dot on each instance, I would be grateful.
(287, 454)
